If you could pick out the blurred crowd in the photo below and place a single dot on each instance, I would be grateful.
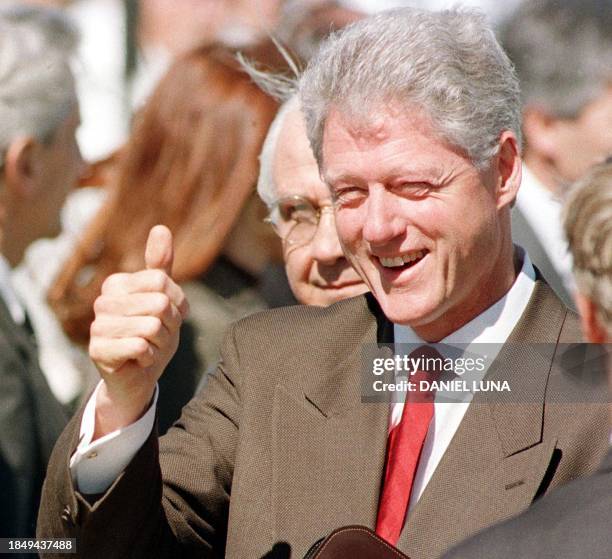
(118, 115)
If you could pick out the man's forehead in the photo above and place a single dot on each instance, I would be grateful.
(372, 119)
(359, 126)
(373, 123)
(293, 145)
(404, 136)
(295, 169)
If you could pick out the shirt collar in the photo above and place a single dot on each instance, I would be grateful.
(7, 292)
(530, 186)
(495, 324)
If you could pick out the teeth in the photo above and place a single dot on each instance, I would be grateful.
(401, 260)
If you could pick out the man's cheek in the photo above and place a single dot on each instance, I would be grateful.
(346, 224)
(303, 264)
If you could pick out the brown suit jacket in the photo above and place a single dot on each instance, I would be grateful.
(281, 428)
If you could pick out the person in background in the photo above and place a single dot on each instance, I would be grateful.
(575, 520)
(304, 23)
(562, 52)
(162, 30)
(301, 213)
(190, 163)
(39, 163)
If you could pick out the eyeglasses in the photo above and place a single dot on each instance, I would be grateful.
(295, 219)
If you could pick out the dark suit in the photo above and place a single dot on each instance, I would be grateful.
(574, 521)
(281, 428)
(31, 420)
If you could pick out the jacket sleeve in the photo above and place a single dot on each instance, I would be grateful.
(172, 500)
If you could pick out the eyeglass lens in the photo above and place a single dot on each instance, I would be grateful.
(298, 220)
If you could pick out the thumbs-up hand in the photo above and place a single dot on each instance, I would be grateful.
(159, 252)
(135, 333)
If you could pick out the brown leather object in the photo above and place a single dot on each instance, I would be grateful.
(356, 542)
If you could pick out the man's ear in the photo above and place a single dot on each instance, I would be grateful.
(589, 319)
(19, 167)
(509, 165)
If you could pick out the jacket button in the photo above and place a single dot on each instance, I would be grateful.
(66, 516)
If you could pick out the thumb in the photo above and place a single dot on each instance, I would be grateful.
(159, 252)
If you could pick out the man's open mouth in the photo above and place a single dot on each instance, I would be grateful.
(404, 261)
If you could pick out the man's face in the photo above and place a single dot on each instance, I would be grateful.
(318, 272)
(585, 140)
(417, 220)
(58, 165)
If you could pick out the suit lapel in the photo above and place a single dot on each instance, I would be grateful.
(48, 415)
(497, 459)
(17, 336)
(329, 447)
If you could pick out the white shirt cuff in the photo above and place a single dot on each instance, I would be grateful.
(95, 466)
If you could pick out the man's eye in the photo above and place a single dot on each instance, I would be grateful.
(348, 195)
(296, 212)
(412, 189)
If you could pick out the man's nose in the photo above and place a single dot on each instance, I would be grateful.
(382, 221)
(325, 244)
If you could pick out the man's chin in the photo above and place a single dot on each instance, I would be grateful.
(407, 309)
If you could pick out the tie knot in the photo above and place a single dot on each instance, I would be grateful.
(427, 361)
(426, 367)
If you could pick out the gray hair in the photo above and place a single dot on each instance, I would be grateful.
(448, 62)
(562, 52)
(266, 187)
(588, 228)
(36, 84)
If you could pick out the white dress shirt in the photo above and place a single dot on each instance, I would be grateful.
(491, 327)
(96, 465)
(8, 294)
(542, 210)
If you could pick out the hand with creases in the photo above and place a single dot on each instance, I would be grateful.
(135, 334)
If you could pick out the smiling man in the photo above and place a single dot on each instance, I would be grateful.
(301, 213)
(425, 228)
(413, 117)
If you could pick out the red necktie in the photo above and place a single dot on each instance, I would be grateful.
(404, 447)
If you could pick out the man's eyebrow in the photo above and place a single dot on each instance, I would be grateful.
(341, 178)
(425, 173)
